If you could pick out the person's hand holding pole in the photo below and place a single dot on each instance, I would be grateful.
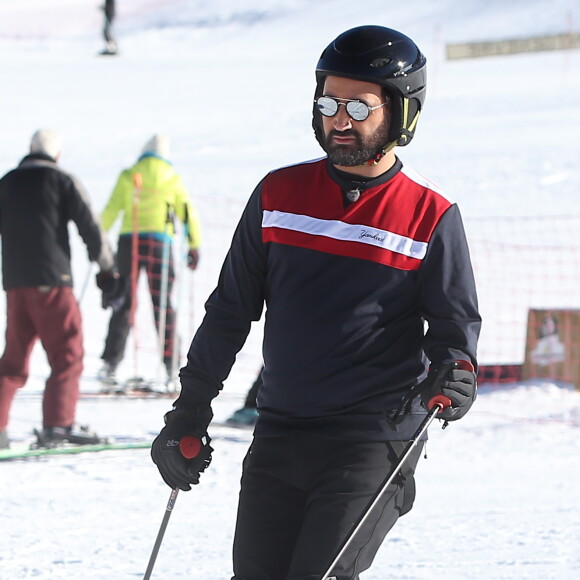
(189, 448)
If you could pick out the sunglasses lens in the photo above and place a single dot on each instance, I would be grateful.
(357, 110)
(327, 106)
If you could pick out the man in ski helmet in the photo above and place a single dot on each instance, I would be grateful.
(393, 62)
(372, 312)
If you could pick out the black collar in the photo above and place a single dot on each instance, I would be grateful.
(352, 186)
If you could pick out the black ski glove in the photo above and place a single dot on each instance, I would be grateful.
(113, 288)
(455, 380)
(175, 469)
(192, 259)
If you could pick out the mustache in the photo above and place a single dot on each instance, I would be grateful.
(346, 133)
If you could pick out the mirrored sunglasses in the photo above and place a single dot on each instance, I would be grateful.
(356, 110)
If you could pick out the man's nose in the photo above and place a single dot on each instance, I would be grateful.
(342, 120)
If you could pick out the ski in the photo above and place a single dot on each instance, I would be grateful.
(27, 453)
(222, 432)
(130, 394)
(139, 384)
(236, 426)
(230, 435)
(138, 387)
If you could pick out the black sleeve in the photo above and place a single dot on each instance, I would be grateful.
(448, 294)
(236, 302)
(80, 212)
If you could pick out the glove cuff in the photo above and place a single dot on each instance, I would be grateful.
(191, 421)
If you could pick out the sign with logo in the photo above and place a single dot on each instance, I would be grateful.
(553, 346)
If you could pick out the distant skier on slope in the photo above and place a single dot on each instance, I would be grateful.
(111, 47)
(147, 209)
(38, 199)
(365, 272)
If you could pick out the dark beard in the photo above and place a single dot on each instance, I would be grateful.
(361, 151)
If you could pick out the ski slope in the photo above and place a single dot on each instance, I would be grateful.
(232, 83)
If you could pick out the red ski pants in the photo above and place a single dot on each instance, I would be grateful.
(53, 315)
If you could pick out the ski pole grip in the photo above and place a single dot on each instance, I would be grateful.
(440, 401)
(464, 365)
(189, 446)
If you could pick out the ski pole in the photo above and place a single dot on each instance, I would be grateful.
(182, 266)
(187, 233)
(137, 187)
(163, 291)
(436, 405)
(190, 448)
(85, 283)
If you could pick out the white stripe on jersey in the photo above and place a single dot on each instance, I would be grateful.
(345, 232)
(423, 182)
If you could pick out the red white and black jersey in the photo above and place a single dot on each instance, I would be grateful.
(358, 296)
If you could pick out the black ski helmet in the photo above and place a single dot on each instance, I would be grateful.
(383, 56)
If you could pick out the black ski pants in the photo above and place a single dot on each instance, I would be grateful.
(150, 259)
(301, 494)
(109, 10)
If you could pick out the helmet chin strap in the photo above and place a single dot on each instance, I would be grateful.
(375, 160)
(407, 127)
(407, 130)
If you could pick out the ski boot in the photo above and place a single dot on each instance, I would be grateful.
(110, 49)
(108, 379)
(244, 417)
(51, 437)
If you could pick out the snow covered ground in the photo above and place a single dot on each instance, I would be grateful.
(232, 83)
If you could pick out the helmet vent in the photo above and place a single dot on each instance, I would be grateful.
(381, 62)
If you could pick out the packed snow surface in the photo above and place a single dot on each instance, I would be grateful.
(232, 83)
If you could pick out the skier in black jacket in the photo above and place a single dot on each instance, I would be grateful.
(37, 201)
(371, 311)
